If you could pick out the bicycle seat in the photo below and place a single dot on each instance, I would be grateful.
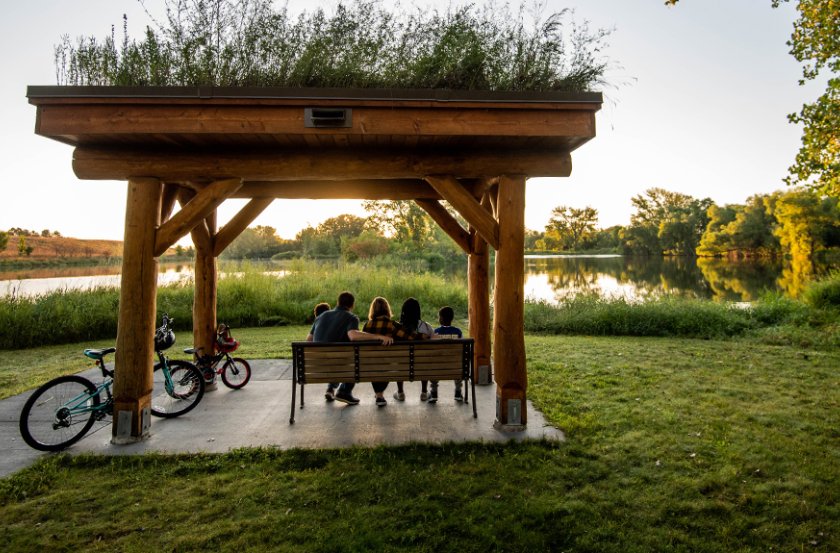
(98, 354)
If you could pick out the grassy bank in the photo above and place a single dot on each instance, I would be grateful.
(672, 445)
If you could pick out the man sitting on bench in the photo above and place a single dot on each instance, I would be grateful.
(341, 325)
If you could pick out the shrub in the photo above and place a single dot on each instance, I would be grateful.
(824, 293)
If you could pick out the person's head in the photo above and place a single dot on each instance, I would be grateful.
(346, 300)
(410, 314)
(445, 315)
(379, 307)
(321, 307)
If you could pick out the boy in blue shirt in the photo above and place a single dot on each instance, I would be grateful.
(446, 330)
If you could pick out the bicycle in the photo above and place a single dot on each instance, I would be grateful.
(235, 371)
(60, 412)
(178, 385)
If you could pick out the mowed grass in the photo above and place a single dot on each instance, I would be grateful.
(672, 445)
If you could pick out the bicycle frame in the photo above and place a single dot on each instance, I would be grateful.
(77, 405)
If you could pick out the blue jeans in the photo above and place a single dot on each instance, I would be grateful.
(343, 388)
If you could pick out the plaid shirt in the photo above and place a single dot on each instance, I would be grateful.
(384, 325)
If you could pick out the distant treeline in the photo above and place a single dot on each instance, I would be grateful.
(796, 223)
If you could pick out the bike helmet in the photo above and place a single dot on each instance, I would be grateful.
(164, 338)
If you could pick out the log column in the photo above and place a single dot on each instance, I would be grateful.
(136, 322)
(509, 309)
(478, 279)
(204, 299)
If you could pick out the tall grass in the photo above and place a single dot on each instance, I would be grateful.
(360, 44)
(249, 297)
(246, 298)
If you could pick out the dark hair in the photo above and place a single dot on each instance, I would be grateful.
(445, 315)
(346, 300)
(410, 314)
(321, 307)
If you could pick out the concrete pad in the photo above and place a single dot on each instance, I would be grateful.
(258, 416)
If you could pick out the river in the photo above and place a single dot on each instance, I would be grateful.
(549, 278)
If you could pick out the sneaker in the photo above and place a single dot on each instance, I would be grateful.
(458, 396)
(399, 396)
(380, 401)
(329, 395)
(424, 396)
(344, 397)
(432, 396)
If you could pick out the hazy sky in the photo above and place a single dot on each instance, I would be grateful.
(700, 107)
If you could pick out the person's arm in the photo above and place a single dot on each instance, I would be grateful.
(310, 337)
(356, 335)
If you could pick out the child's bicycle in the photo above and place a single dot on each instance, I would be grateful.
(62, 411)
(235, 371)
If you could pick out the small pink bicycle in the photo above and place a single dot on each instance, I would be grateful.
(235, 371)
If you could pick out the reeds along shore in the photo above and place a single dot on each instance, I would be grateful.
(250, 297)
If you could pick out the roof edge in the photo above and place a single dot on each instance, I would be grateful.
(211, 92)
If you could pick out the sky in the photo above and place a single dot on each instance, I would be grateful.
(697, 103)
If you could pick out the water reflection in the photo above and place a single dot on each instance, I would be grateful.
(553, 278)
(33, 282)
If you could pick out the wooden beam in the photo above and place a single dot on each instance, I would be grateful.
(509, 319)
(469, 208)
(200, 233)
(170, 196)
(369, 189)
(281, 120)
(136, 319)
(240, 222)
(322, 164)
(447, 222)
(194, 212)
(478, 307)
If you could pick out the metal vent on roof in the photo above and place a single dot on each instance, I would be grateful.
(328, 117)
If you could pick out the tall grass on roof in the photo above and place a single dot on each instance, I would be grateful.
(361, 44)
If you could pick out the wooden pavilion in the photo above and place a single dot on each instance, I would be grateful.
(200, 146)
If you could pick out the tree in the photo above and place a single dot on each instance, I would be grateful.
(339, 228)
(815, 42)
(21, 245)
(666, 221)
(572, 225)
(402, 219)
(4, 240)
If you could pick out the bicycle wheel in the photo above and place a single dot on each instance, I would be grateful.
(59, 413)
(236, 373)
(186, 391)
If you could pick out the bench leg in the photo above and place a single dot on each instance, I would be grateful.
(294, 391)
(301, 395)
(475, 409)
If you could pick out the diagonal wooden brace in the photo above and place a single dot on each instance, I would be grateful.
(240, 222)
(465, 203)
(194, 213)
(447, 222)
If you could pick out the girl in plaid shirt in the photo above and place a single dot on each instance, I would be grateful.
(380, 322)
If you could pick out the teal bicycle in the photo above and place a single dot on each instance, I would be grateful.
(62, 411)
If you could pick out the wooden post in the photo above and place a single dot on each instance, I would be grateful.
(136, 322)
(509, 318)
(478, 279)
(204, 299)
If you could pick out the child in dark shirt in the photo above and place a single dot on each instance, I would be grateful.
(446, 330)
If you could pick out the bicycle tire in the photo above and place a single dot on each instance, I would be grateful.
(46, 423)
(189, 389)
(236, 373)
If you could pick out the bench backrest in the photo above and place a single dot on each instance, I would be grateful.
(318, 362)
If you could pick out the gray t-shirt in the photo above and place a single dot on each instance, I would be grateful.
(333, 325)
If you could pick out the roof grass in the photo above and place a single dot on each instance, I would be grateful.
(361, 44)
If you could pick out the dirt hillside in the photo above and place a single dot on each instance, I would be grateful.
(60, 246)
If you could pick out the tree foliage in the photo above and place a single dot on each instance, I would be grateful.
(572, 225)
(361, 44)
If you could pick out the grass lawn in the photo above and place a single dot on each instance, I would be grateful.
(672, 445)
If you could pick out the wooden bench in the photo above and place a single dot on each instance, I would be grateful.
(325, 362)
